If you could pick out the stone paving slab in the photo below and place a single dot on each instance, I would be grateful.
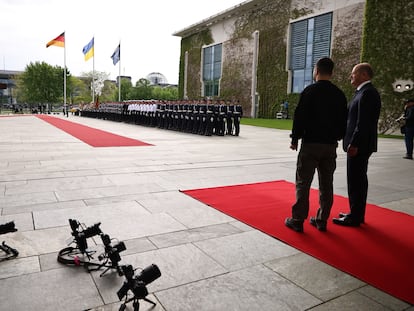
(317, 278)
(59, 289)
(253, 288)
(19, 266)
(244, 249)
(208, 260)
(179, 265)
(23, 221)
(194, 235)
(37, 242)
(15, 210)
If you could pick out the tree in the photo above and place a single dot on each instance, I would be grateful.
(80, 92)
(166, 93)
(142, 90)
(42, 84)
(126, 89)
(94, 80)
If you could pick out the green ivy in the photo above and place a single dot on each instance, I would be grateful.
(388, 45)
(386, 41)
(193, 45)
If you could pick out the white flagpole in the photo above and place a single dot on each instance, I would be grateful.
(93, 72)
(119, 75)
(64, 77)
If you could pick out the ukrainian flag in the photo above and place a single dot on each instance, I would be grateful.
(88, 50)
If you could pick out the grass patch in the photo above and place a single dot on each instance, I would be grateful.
(269, 123)
(391, 136)
(283, 124)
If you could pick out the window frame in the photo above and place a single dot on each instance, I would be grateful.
(212, 65)
(303, 53)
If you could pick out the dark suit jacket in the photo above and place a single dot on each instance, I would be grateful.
(362, 125)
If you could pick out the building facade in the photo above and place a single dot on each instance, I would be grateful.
(7, 84)
(262, 52)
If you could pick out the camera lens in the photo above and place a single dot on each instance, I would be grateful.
(149, 274)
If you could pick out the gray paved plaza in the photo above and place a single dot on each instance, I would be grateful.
(208, 260)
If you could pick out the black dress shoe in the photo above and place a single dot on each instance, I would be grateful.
(294, 224)
(346, 221)
(348, 215)
(319, 224)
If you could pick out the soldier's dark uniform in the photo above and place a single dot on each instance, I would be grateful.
(196, 119)
(238, 113)
(229, 119)
(210, 119)
(190, 117)
(221, 117)
(203, 118)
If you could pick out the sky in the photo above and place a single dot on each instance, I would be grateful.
(144, 29)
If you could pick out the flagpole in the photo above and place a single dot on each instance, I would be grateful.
(93, 72)
(119, 75)
(64, 78)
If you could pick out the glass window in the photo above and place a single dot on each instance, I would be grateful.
(298, 81)
(309, 41)
(212, 69)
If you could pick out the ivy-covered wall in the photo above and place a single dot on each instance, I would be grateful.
(346, 44)
(378, 31)
(270, 19)
(193, 45)
(236, 77)
(271, 72)
(388, 45)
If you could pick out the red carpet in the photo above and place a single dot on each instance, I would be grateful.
(380, 253)
(91, 136)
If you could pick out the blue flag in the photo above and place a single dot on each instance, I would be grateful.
(116, 56)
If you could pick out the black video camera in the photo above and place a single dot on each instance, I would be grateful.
(81, 236)
(112, 252)
(137, 284)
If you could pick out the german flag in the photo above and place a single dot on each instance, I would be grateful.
(58, 41)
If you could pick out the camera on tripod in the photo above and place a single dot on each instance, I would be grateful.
(112, 252)
(81, 236)
(137, 284)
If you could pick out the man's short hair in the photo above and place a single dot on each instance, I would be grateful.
(325, 66)
(365, 67)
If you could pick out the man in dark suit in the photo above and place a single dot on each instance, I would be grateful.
(320, 121)
(360, 142)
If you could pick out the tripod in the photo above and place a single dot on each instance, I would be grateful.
(135, 303)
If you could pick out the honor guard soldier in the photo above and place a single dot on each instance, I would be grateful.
(163, 115)
(221, 117)
(168, 115)
(203, 117)
(229, 119)
(190, 120)
(238, 113)
(174, 125)
(196, 119)
(210, 118)
(184, 117)
(124, 117)
(216, 110)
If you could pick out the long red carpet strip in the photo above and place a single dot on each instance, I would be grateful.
(91, 136)
(380, 252)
